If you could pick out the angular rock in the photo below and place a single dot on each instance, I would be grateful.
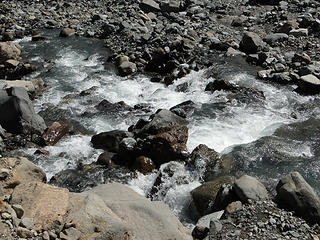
(308, 85)
(149, 6)
(294, 192)
(170, 6)
(109, 141)
(275, 37)
(164, 137)
(20, 115)
(45, 205)
(114, 211)
(251, 43)
(9, 50)
(247, 187)
(22, 171)
(204, 195)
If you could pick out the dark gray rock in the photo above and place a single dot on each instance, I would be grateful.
(275, 37)
(251, 43)
(149, 6)
(19, 116)
(109, 141)
(298, 195)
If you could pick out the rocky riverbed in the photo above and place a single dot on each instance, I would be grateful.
(100, 96)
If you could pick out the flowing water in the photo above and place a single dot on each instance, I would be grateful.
(232, 125)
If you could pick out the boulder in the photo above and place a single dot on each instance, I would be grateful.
(106, 159)
(45, 205)
(21, 171)
(164, 137)
(219, 85)
(109, 141)
(204, 195)
(67, 32)
(9, 50)
(295, 193)
(251, 43)
(143, 164)
(308, 85)
(247, 187)
(170, 6)
(149, 6)
(114, 211)
(288, 26)
(20, 115)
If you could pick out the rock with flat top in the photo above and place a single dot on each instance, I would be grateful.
(247, 187)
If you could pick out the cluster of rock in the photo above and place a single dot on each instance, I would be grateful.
(171, 38)
(243, 209)
(32, 209)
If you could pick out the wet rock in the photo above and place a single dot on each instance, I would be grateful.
(89, 176)
(44, 205)
(91, 211)
(54, 133)
(67, 32)
(164, 137)
(127, 68)
(106, 159)
(39, 37)
(9, 50)
(308, 85)
(251, 43)
(247, 187)
(219, 85)
(107, 107)
(20, 116)
(184, 109)
(143, 164)
(204, 195)
(298, 195)
(109, 141)
(206, 158)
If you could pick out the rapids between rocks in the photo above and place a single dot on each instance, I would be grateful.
(267, 137)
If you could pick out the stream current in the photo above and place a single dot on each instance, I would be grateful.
(268, 138)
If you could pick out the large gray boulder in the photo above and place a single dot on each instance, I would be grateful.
(247, 187)
(297, 194)
(251, 43)
(116, 212)
(17, 114)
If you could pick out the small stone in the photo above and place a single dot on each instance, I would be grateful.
(4, 173)
(300, 32)
(233, 207)
(24, 233)
(18, 209)
(272, 221)
(6, 215)
(45, 235)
